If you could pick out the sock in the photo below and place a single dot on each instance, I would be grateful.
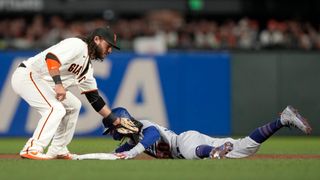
(262, 133)
(203, 151)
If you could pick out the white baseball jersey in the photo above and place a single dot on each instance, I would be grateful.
(75, 69)
(167, 136)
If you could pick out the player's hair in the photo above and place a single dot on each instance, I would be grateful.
(93, 49)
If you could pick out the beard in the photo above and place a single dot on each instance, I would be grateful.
(98, 54)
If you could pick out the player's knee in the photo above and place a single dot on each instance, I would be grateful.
(203, 151)
(59, 110)
(76, 104)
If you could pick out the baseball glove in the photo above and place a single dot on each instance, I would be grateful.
(128, 126)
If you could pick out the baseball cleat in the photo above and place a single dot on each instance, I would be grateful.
(291, 118)
(34, 155)
(221, 151)
(67, 156)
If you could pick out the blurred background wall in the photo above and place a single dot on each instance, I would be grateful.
(222, 67)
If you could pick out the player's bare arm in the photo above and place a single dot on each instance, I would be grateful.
(105, 112)
(59, 89)
(53, 65)
(100, 106)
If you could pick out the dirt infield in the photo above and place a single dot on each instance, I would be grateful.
(258, 156)
(9, 156)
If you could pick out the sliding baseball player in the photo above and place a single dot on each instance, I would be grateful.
(160, 142)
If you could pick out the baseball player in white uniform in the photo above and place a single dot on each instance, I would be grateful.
(43, 82)
(160, 142)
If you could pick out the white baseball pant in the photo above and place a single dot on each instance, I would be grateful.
(188, 142)
(58, 119)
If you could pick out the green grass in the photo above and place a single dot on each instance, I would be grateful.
(166, 169)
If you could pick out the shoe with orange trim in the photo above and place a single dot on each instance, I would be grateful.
(34, 155)
(67, 156)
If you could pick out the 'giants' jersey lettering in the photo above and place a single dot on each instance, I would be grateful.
(75, 68)
(81, 79)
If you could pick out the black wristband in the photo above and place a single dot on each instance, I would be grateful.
(108, 121)
(57, 79)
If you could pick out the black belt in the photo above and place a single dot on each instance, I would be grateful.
(179, 154)
(22, 65)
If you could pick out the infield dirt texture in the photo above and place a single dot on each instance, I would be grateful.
(278, 158)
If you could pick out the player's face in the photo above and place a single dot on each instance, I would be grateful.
(103, 48)
(106, 48)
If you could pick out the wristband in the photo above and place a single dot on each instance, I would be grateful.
(108, 121)
(57, 79)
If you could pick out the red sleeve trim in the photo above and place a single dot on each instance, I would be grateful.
(84, 92)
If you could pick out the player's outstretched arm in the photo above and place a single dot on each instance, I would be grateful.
(150, 136)
(100, 106)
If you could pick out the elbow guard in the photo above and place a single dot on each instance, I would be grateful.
(95, 100)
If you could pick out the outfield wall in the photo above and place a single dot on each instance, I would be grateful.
(263, 83)
(215, 93)
(179, 90)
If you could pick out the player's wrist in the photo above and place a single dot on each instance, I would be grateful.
(109, 120)
(57, 79)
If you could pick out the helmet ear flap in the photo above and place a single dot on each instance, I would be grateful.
(116, 135)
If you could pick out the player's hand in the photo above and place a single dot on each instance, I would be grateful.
(121, 155)
(124, 155)
(116, 122)
(60, 92)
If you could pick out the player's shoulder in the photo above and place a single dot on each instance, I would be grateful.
(73, 44)
(75, 41)
(147, 123)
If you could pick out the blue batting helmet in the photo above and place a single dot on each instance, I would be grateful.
(119, 112)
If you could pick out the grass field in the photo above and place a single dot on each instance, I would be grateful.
(166, 169)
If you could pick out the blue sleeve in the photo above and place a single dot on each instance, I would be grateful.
(150, 136)
(125, 147)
